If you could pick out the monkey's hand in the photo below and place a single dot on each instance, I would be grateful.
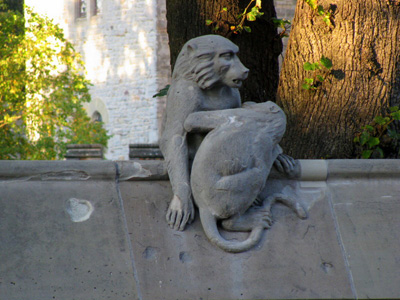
(285, 164)
(180, 213)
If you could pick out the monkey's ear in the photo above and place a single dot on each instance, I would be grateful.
(191, 48)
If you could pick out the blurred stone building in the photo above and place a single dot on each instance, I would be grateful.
(124, 45)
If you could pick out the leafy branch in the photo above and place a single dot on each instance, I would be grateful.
(379, 136)
(283, 24)
(248, 14)
(312, 83)
(320, 11)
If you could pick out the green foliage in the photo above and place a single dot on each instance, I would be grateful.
(320, 11)
(323, 65)
(41, 90)
(282, 24)
(163, 92)
(248, 14)
(379, 139)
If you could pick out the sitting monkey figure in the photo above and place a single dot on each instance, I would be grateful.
(206, 77)
(231, 167)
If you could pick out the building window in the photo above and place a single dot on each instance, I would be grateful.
(96, 117)
(82, 8)
(96, 7)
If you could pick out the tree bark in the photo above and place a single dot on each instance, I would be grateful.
(259, 49)
(364, 46)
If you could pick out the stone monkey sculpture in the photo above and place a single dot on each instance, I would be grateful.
(206, 77)
(231, 167)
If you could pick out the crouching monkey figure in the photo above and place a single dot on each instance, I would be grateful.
(231, 167)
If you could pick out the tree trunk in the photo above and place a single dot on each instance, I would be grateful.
(364, 46)
(259, 49)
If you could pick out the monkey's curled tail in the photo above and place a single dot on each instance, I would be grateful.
(209, 223)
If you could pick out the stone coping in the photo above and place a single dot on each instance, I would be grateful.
(309, 170)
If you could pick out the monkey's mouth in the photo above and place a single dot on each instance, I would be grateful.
(237, 82)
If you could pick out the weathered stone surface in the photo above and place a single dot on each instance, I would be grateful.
(368, 217)
(84, 151)
(47, 249)
(296, 258)
(145, 151)
(52, 246)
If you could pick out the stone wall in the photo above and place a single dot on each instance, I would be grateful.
(125, 49)
(97, 230)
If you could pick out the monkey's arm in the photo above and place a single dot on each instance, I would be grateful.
(173, 145)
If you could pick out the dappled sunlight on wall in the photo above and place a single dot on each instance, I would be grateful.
(120, 45)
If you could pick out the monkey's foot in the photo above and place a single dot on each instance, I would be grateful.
(255, 216)
(290, 202)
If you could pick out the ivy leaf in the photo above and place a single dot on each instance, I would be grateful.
(162, 92)
(394, 108)
(364, 137)
(320, 78)
(381, 120)
(309, 80)
(312, 3)
(326, 62)
(247, 28)
(369, 128)
(373, 141)
(209, 22)
(309, 66)
(366, 154)
(396, 115)
(306, 86)
(320, 10)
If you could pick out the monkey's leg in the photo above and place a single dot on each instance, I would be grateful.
(292, 203)
(253, 217)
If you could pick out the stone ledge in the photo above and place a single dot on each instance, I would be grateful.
(71, 170)
(308, 170)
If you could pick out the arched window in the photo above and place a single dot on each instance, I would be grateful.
(96, 117)
(82, 8)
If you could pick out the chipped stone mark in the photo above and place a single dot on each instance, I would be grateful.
(79, 210)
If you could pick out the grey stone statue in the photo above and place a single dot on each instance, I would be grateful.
(231, 168)
(206, 77)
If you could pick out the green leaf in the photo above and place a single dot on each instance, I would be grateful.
(209, 22)
(373, 141)
(312, 3)
(309, 80)
(254, 14)
(320, 78)
(162, 92)
(381, 120)
(320, 10)
(225, 9)
(366, 154)
(364, 137)
(306, 86)
(326, 62)
(394, 108)
(309, 66)
(247, 28)
(369, 128)
(327, 20)
(393, 134)
(396, 115)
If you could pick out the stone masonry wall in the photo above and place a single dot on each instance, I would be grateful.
(125, 49)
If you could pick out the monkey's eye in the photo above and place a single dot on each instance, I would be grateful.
(227, 55)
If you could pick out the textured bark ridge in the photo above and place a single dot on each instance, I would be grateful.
(364, 46)
(259, 50)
